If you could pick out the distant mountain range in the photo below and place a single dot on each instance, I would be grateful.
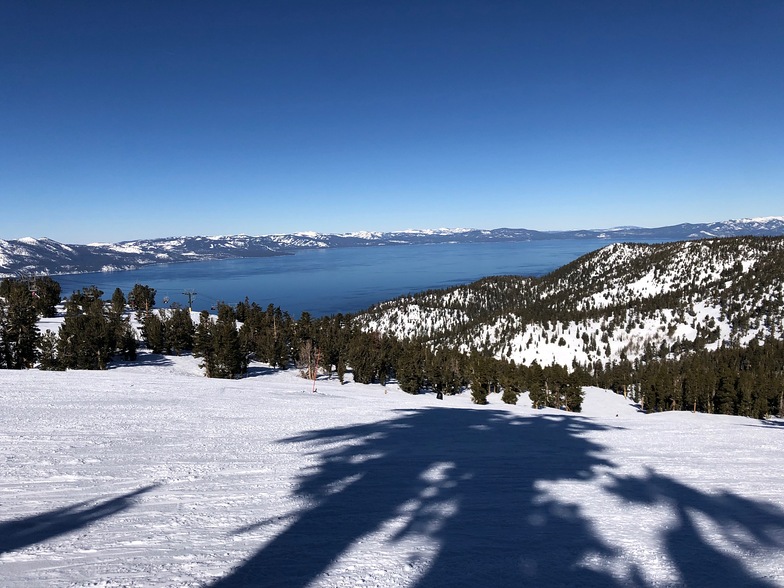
(45, 256)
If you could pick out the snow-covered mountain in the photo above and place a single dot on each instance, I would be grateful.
(45, 256)
(623, 302)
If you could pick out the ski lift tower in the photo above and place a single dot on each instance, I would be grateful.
(191, 295)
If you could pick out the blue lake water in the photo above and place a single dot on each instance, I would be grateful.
(328, 281)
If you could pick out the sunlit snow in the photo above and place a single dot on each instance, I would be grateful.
(148, 474)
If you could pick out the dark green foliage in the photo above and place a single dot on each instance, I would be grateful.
(119, 323)
(218, 344)
(410, 367)
(444, 370)
(331, 333)
(86, 339)
(747, 381)
(154, 333)
(371, 356)
(128, 343)
(203, 342)
(512, 383)
(141, 299)
(169, 331)
(266, 335)
(179, 330)
(46, 295)
(118, 302)
(482, 377)
(18, 331)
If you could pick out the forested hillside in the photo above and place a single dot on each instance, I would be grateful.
(616, 311)
(625, 301)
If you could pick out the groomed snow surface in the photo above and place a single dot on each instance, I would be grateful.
(151, 475)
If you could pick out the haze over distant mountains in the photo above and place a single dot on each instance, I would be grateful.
(45, 256)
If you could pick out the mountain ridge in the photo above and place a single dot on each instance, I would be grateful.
(30, 255)
(624, 302)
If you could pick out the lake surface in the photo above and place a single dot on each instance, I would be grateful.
(328, 281)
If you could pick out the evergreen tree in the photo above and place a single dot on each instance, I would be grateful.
(48, 352)
(18, 331)
(118, 302)
(410, 368)
(128, 343)
(537, 390)
(218, 344)
(179, 331)
(154, 333)
(122, 335)
(85, 339)
(480, 377)
(46, 296)
(141, 299)
(204, 343)
(230, 362)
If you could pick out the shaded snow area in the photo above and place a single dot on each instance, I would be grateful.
(151, 475)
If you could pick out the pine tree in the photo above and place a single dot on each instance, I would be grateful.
(218, 344)
(85, 338)
(410, 368)
(119, 325)
(141, 299)
(229, 359)
(46, 295)
(154, 333)
(19, 334)
(480, 377)
(179, 330)
(118, 302)
(48, 352)
(204, 343)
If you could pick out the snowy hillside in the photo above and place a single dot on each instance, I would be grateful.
(150, 475)
(45, 256)
(617, 303)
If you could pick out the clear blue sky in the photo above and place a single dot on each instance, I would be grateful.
(131, 119)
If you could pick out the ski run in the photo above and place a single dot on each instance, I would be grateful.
(148, 474)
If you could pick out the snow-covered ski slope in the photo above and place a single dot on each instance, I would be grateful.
(151, 475)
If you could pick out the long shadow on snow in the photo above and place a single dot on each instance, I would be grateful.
(19, 533)
(255, 371)
(465, 480)
(747, 525)
(142, 359)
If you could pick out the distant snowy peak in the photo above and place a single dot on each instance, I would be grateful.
(760, 220)
(42, 256)
(769, 225)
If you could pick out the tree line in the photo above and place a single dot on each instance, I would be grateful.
(731, 380)
(94, 331)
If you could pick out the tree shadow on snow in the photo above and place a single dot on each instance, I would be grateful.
(743, 525)
(467, 484)
(20, 533)
(257, 370)
(142, 359)
(464, 480)
(767, 423)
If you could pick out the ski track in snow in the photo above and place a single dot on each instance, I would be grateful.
(150, 475)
